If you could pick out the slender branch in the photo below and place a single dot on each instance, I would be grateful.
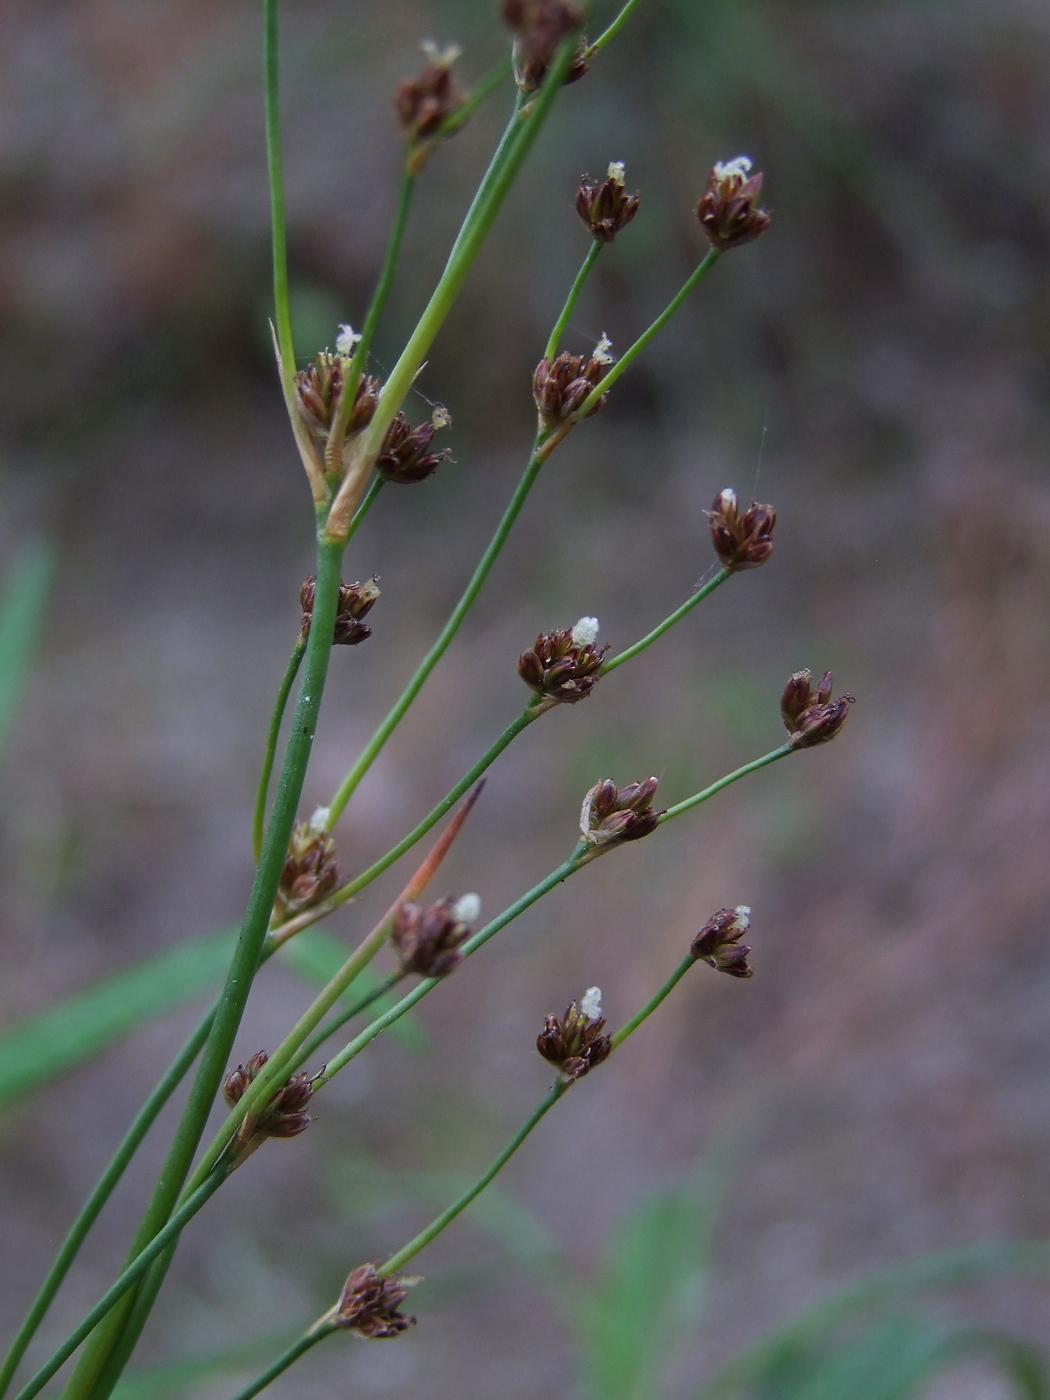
(631, 354)
(381, 989)
(276, 719)
(483, 89)
(708, 792)
(629, 1027)
(571, 300)
(282, 313)
(287, 1358)
(365, 506)
(690, 603)
(613, 29)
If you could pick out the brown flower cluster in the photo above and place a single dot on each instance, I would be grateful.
(355, 601)
(425, 102)
(285, 1115)
(604, 206)
(369, 1304)
(405, 457)
(611, 814)
(317, 390)
(564, 667)
(810, 715)
(741, 540)
(311, 871)
(559, 387)
(428, 940)
(574, 1042)
(540, 26)
(728, 211)
(718, 942)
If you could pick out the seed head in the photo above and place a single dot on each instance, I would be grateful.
(425, 102)
(563, 667)
(741, 541)
(369, 1304)
(540, 26)
(559, 387)
(604, 206)
(718, 942)
(428, 940)
(728, 209)
(355, 601)
(611, 814)
(405, 457)
(810, 715)
(283, 1116)
(310, 873)
(318, 386)
(574, 1042)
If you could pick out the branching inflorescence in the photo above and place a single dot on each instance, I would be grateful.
(353, 436)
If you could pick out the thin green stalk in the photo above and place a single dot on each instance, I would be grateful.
(613, 29)
(630, 355)
(124, 1283)
(282, 313)
(365, 506)
(382, 987)
(375, 745)
(246, 955)
(573, 297)
(698, 597)
(409, 1251)
(92, 1207)
(629, 1027)
(286, 1359)
(708, 792)
(276, 719)
(475, 97)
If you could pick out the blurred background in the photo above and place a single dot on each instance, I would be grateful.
(876, 367)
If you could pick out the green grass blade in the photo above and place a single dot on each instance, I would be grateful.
(21, 618)
(176, 1377)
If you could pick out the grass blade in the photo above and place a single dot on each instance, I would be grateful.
(21, 618)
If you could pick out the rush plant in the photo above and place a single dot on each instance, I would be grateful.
(352, 436)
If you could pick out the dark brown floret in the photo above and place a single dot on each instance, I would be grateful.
(317, 390)
(405, 457)
(428, 940)
(618, 814)
(425, 102)
(355, 601)
(540, 26)
(369, 1304)
(728, 210)
(560, 387)
(741, 540)
(574, 1042)
(311, 870)
(604, 206)
(284, 1115)
(810, 716)
(718, 942)
(560, 669)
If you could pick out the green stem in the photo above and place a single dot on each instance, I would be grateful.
(475, 97)
(614, 28)
(124, 1283)
(246, 955)
(286, 1359)
(375, 745)
(629, 1027)
(385, 985)
(752, 767)
(409, 1251)
(92, 1207)
(276, 719)
(571, 300)
(366, 505)
(629, 356)
(698, 597)
(282, 314)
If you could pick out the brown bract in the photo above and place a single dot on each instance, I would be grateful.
(427, 940)
(559, 387)
(574, 1042)
(405, 457)
(317, 390)
(369, 1304)
(604, 206)
(540, 26)
(810, 716)
(310, 872)
(355, 601)
(742, 539)
(611, 814)
(718, 942)
(559, 669)
(728, 211)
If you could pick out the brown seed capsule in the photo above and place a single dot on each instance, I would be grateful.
(284, 1115)
(311, 871)
(728, 210)
(355, 600)
(718, 942)
(428, 940)
(560, 387)
(574, 1042)
(564, 667)
(810, 716)
(604, 206)
(540, 26)
(405, 458)
(741, 541)
(611, 814)
(317, 390)
(424, 102)
(369, 1304)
